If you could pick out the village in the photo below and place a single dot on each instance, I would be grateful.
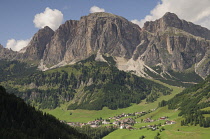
(126, 121)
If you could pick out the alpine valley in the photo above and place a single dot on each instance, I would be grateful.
(103, 75)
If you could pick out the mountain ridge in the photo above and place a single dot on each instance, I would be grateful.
(169, 42)
(172, 20)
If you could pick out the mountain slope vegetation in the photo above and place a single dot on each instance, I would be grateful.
(192, 103)
(88, 84)
(21, 121)
(11, 70)
(173, 44)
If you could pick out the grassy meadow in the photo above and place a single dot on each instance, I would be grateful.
(88, 115)
(174, 131)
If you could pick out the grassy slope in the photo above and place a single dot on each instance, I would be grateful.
(87, 115)
(185, 132)
(193, 132)
(172, 131)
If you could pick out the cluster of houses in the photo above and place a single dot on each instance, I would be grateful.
(76, 124)
(170, 122)
(123, 121)
(126, 115)
(167, 121)
(152, 127)
(96, 123)
(148, 120)
(123, 124)
(121, 116)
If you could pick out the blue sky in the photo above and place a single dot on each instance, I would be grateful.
(17, 16)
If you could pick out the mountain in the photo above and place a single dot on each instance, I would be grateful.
(19, 120)
(88, 84)
(172, 20)
(36, 47)
(194, 104)
(99, 32)
(166, 49)
(177, 45)
(7, 53)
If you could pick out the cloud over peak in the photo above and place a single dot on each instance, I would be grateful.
(16, 45)
(96, 9)
(195, 11)
(50, 17)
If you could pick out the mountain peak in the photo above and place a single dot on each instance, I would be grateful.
(103, 15)
(37, 45)
(47, 28)
(169, 15)
(104, 32)
(168, 20)
(172, 20)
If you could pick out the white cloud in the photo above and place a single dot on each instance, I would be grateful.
(195, 11)
(96, 9)
(51, 18)
(17, 45)
(135, 21)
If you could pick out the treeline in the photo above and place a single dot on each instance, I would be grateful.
(182, 79)
(21, 121)
(191, 101)
(10, 70)
(96, 133)
(195, 119)
(98, 83)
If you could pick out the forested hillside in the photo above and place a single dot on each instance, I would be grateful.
(194, 103)
(21, 121)
(88, 84)
(11, 70)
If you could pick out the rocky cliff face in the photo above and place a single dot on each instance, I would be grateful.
(168, 42)
(7, 53)
(176, 44)
(178, 52)
(172, 20)
(56, 48)
(99, 32)
(37, 46)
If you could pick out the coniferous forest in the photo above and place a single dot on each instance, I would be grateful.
(21, 121)
(146, 77)
(191, 102)
(98, 84)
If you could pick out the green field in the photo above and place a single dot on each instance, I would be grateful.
(131, 134)
(171, 131)
(175, 131)
(88, 115)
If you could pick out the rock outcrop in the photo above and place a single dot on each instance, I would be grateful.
(172, 20)
(36, 47)
(177, 52)
(103, 32)
(169, 42)
(176, 45)
(7, 54)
